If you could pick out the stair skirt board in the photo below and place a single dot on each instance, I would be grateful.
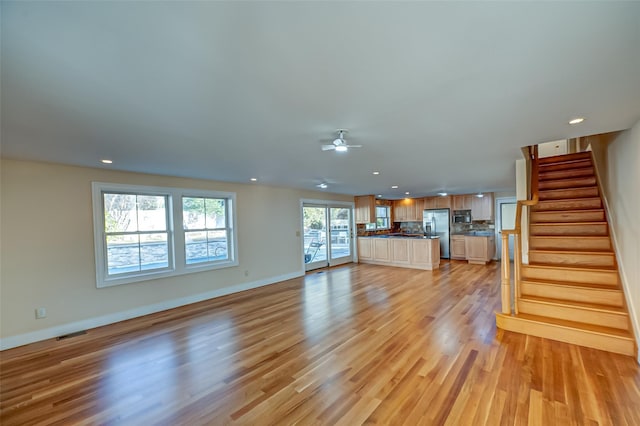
(613, 317)
(558, 194)
(585, 293)
(563, 242)
(570, 275)
(595, 215)
(617, 343)
(568, 258)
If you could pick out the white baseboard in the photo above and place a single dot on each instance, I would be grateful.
(60, 330)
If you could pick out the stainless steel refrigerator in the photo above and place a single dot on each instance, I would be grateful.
(436, 223)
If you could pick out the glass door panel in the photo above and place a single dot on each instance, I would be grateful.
(340, 235)
(314, 222)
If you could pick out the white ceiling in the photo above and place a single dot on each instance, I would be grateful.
(441, 95)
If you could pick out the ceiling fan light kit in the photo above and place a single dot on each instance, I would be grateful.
(339, 144)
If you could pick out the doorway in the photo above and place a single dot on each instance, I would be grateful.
(327, 235)
(505, 219)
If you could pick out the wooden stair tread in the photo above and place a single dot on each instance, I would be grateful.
(569, 303)
(572, 268)
(572, 251)
(568, 211)
(565, 158)
(587, 286)
(564, 237)
(600, 222)
(590, 328)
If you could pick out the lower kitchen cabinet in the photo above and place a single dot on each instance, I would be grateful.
(479, 250)
(457, 247)
(381, 250)
(365, 249)
(418, 253)
(400, 250)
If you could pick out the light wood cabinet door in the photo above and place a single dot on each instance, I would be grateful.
(400, 250)
(430, 203)
(381, 250)
(457, 247)
(479, 250)
(482, 207)
(365, 249)
(418, 208)
(463, 202)
(365, 209)
(404, 210)
(443, 202)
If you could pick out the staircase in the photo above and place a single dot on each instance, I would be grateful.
(570, 291)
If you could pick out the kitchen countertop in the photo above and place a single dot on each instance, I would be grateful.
(476, 234)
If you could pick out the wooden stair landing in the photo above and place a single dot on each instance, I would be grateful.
(570, 291)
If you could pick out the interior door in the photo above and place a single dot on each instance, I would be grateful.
(507, 220)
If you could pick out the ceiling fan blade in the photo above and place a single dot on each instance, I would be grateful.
(328, 147)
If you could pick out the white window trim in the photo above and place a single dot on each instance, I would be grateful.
(175, 230)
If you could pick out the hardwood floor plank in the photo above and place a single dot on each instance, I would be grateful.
(360, 344)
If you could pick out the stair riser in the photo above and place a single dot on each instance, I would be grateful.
(565, 174)
(567, 183)
(571, 216)
(570, 243)
(571, 276)
(570, 313)
(568, 229)
(580, 294)
(543, 168)
(577, 204)
(573, 259)
(565, 158)
(577, 337)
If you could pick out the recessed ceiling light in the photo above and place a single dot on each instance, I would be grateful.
(379, 195)
(341, 148)
(376, 173)
(394, 186)
(407, 193)
(480, 195)
(442, 194)
(322, 185)
(253, 179)
(576, 120)
(105, 161)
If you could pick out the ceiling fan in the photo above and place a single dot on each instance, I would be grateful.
(339, 144)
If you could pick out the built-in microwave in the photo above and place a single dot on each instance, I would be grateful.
(462, 216)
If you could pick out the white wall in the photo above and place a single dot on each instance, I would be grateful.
(623, 197)
(48, 260)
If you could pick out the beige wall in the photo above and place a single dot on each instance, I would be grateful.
(48, 255)
(622, 192)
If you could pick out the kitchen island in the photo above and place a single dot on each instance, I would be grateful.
(403, 251)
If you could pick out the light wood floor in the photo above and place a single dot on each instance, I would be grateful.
(352, 345)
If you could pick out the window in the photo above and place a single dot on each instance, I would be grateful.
(383, 214)
(143, 233)
(206, 229)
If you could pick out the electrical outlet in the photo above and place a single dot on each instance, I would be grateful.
(41, 313)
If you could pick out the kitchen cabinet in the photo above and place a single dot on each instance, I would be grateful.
(430, 202)
(463, 202)
(482, 207)
(365, 209)
(457, 247)
(365, 249)
(399, 250)
(479, 250)
(406, 210)
(417, 253)
(443, 202)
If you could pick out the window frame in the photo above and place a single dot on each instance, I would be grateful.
(175, 233)
(375, 219)
(228, 229)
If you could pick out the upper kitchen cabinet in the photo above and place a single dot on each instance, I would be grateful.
(429, 203)
(482, 207)
(463, 202)
(365, 209)
(443, 202)
(408, 210)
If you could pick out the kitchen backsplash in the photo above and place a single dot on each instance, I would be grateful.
(416, 228)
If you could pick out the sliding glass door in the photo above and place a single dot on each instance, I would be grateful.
(327, 236)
